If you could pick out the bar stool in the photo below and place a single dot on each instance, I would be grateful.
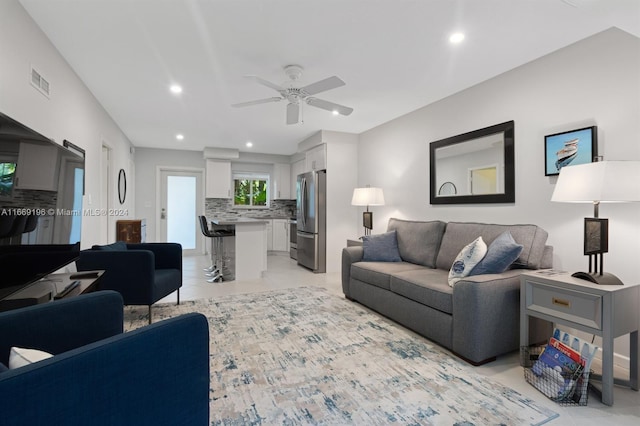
(213, 272)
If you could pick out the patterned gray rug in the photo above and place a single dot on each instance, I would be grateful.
(304, 356)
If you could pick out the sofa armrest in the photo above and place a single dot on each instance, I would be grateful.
(167, 255)
(350, 255)
(547, 258)
(486, 315)
(156, 375)
(62, 325)
(129, 272)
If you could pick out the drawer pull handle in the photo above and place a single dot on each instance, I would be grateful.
(560, 302)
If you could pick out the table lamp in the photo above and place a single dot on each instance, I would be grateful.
(367, 197)
(598, 182)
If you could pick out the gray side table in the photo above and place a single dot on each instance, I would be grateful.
(608, 311)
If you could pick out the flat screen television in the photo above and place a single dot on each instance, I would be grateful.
(41, 188)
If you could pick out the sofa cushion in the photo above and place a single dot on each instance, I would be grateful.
(379, 273)
(380, 248)
(459, 234)
(501, 253)
(426, 286)
(466, 260)
(3, 368)
(117, 246)
(418, 242)
(19, 357)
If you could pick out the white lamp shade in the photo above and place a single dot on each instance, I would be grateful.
(604, 181)
(367, 197)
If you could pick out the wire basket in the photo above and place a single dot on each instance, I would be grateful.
(569, 391)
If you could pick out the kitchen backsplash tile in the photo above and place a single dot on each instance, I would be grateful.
(222, 208)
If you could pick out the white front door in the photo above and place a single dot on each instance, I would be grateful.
(181, 201)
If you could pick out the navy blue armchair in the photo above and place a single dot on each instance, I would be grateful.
(142, 273)
(155, 375)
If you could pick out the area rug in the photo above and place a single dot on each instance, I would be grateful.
(304, 356)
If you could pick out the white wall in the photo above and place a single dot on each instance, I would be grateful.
(71, 112)
(593, 82)
(342, 150)
(148, 160)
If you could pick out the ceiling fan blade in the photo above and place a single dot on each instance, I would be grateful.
(267, 83)
(323, 85)
(293, 113)
(329, 106)
(259, 101)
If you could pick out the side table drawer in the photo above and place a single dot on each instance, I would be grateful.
(570, 305)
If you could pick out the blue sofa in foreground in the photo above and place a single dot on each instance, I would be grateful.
(155, 375)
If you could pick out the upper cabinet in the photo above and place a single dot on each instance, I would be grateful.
(297, 168)
(281, 182)
(218, 179)
(37, 166)
(316, 158)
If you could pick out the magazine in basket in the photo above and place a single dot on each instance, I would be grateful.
(562, 369)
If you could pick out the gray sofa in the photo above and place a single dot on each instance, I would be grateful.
(478, 318)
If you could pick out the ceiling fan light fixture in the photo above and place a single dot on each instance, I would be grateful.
(297, 96)
(456, 38)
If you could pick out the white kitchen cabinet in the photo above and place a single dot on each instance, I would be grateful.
(281, 182)
(280, 235)
(316, 158)
(297, 168)
(269, 235)
(37, 166)
(218, 179)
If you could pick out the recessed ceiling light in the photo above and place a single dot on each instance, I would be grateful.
(456, 38)
(180, 136)
(249, 144)
(335, 112)
(175, 89)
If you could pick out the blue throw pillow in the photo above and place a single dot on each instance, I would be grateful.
(3, 368)
(381, 248)
(117, 246)
(502, 252)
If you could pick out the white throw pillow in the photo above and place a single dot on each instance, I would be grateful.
(466, 260)
(19, 357)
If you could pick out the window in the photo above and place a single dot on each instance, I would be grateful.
(7, 175)
(250, 190)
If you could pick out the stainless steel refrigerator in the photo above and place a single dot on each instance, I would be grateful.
(311, 202)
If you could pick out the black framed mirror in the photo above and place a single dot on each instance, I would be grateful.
(122, 186)
(479, 164)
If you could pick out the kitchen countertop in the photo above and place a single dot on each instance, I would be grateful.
(274, 217)
(237, 221)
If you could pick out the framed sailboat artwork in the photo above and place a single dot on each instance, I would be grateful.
(578, 146)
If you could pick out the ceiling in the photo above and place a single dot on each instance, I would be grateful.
(394, 56)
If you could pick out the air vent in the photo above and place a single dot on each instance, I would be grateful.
(39, 82)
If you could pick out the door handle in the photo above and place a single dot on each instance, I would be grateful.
(163, 214)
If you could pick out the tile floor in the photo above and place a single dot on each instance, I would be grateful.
(283, 272)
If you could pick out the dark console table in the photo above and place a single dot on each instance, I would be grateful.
(52, 287)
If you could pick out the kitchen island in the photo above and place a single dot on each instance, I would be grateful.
(250, 257)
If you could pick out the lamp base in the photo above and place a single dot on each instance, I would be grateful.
(604, 278)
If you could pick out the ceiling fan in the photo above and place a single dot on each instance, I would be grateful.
(296, 95)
